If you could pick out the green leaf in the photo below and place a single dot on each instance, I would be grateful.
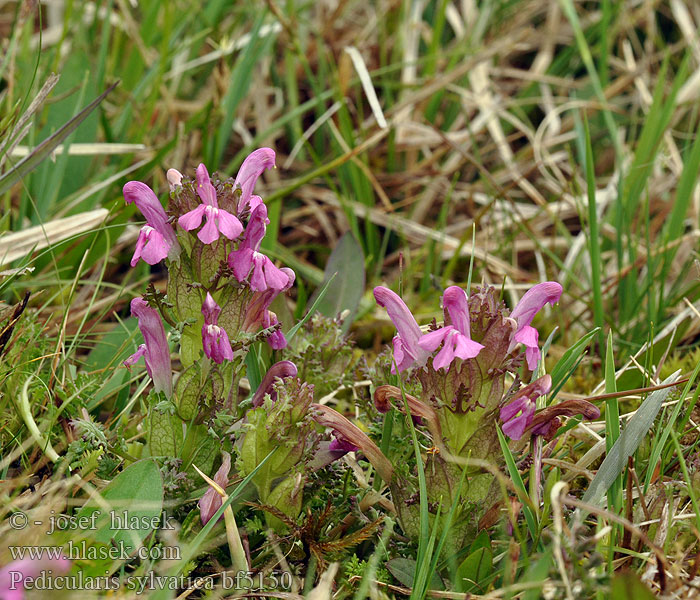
(188, 389)
(347, 288)
(627, 443)
(537, 573)
(403, 569)
(165, 435)
(627, 586)
(135, 500)
(186, 301)
(36, 156)
(475, 569)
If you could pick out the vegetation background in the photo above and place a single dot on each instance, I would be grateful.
(551, 140)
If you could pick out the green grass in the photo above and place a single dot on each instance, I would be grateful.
(581, 167)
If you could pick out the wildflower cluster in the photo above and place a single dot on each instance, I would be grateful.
(219, 292)
(460, 379)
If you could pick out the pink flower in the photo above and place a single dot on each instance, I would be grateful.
(258, 316)
(518, 414)
(155, 350)
(407, 352)
(214, 338)
(455, 338)
(13, 576)
(280, 370)
(253, 166)
(265, 275)
(156, 239)
(530, 304)
(218, 220)
(210, 502)
(174, 178)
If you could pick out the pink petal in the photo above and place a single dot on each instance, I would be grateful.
(241, 261)
(156, 249)
(205, 189)
(147, 202)
(157, 354)
(257, 279)
(509, 411)
(432, 340)
(192, 219)
(280, 370)
(174, 178)
(533, 301)
(136, 356)
(229, 225)
(253, 166)
(209, 233)
(211, 500)
(466, 348)
(275, 278)
(140, 243)
(456, 304)
(404, 321)
(211, 310)
(532, 356)
(255, 230)
(445, 357)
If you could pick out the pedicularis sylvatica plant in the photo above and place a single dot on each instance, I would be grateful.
(459, 381)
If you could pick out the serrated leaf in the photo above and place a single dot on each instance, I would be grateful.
(346, 289)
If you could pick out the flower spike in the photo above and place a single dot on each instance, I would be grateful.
(218, 221)
(156, 239)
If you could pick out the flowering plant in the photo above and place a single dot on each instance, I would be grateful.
(460, 380)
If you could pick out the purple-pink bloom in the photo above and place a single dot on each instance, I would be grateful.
(214, 338)
(338, 444)
(518, 414)
(155, 350)
(218, 220)
(210, 502)
(259, 316)
(523, 313)
(407, 352)
(174, 178)
(280, 370)
(253, 166)
(13, 576)
(156, 239)
(456, 338)
(265, 275)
